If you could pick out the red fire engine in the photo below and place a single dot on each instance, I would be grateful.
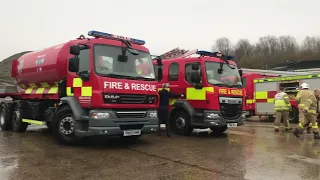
(84, 87)
(213, 92)
(262, 85)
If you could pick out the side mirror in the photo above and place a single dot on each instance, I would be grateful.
(160, 75)
(195, 77)
(122, 58)
(73, 64)
(240, 72)
(75, 50)
(159, 60)
(195, 67)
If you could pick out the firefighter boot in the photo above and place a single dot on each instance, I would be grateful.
(316, 135)
(296, 133)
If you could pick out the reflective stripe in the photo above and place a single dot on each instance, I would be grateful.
(250, 101)
(69, 92)
(44, 88)
(261, 95)
(86, 91)
(31, 121)
(315, 127)
(312, 111)
(289, 78)
(300, 125)
(270, 100)
(77, 83)
(196, 94)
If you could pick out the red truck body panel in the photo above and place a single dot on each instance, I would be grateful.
(249, 103)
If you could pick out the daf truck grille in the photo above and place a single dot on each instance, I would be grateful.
(230, 111)
(131, 114)
(129, 98)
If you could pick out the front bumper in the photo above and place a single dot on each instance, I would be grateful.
(214, 118)
(113, 125)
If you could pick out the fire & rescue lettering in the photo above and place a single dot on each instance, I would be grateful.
(231, 92)
(130, 86)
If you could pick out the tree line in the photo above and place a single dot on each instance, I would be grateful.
(269, 51)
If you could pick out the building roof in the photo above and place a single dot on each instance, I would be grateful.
(298, 65)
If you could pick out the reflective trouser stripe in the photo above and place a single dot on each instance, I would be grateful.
(301, 126)
(312, 111)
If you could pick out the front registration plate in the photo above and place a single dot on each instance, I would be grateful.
(232, 124)
(132, 133)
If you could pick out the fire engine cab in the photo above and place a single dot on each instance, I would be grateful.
(213, 91)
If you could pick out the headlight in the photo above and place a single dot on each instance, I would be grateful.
(212, 115)
(244, 115)
(153, 114)
(100, 115)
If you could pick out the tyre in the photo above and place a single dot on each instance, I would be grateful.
(5, 117)
(181, 124)
(17, 124)
(294, 115)
(63, 128)
(218, 131)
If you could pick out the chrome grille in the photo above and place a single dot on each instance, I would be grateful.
(131, 114)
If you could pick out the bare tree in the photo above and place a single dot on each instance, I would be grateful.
(243, 48)
(224, 45)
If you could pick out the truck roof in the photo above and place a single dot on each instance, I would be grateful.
(201, 56)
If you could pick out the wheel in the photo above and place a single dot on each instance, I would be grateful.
(294, 115)
(63, 127)
(181, 124)
(17, 124)
(218, 131)
(5, 117)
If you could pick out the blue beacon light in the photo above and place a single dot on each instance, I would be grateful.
(98, 34)
(214, 54)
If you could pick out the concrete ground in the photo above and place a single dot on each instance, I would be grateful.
(253, 151)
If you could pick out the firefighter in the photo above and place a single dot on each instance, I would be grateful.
(307, 104)
(163, 110)
(309, 124)
(281, 107)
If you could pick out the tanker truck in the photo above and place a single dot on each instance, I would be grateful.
(84, 87)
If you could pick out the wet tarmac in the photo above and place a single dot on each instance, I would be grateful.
(253, 151)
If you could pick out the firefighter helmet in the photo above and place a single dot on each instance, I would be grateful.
(304, 86)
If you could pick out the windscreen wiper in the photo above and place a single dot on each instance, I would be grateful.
(221, 85)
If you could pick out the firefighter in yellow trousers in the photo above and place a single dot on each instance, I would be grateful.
(307, 104)
(281, 107)
(309, 124)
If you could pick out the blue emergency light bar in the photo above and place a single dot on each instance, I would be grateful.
(214, 54)
(98, 34)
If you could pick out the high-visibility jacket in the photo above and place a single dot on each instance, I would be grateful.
(281, 102)
(307, 101)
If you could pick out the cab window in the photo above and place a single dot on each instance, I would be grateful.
(84, 58)
(173, 74)
(188, 72)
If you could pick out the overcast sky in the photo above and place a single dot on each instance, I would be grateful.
(164, 24)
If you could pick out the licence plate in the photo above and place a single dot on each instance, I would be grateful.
(232, 124)
(132, 133)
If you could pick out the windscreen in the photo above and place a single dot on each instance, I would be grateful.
(107, 63)
(229, 77)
